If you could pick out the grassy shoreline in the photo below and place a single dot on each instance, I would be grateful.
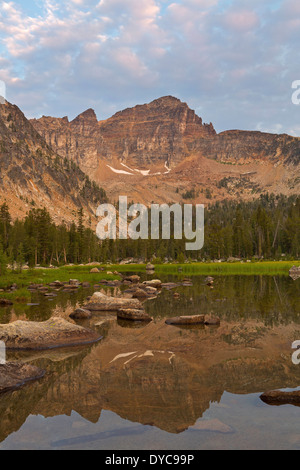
(267, 268)
(82, 273)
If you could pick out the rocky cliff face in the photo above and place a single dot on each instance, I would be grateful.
(76, 140)
(33, 175)
(165, 130)
(246, 147)
(159, 150)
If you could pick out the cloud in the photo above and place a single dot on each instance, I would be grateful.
(233, 63)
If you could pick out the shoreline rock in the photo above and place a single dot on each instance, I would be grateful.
(51, 334)
(278, 397)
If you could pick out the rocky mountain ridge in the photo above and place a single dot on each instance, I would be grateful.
(164, 149)
(33, 175)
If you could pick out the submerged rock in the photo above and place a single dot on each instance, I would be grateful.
(14, 375)
(102, 302)
(187, 320)
(278, 397)
(53, 333)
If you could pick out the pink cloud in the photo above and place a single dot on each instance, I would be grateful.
(241, 21)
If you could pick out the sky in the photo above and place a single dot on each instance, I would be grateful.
(232, 61)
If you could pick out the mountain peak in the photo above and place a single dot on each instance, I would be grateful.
(167, 101)
(88, 115)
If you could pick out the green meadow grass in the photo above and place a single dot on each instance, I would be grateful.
(46, 276)
(271, 268)
(82, 273)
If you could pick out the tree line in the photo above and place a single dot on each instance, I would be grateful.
(268, 228)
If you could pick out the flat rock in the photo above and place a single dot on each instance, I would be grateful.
(278, 397)
(154, 283)
(50, 334)
(81, 314)
(186, 320)
(102, 302)
(134, 315)
(14, 375)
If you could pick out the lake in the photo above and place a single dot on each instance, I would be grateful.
(164, 387)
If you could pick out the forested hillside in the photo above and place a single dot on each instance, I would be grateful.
(265, 228)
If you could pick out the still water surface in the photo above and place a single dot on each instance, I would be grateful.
(162, 387)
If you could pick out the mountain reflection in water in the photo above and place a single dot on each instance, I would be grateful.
(165, 376)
